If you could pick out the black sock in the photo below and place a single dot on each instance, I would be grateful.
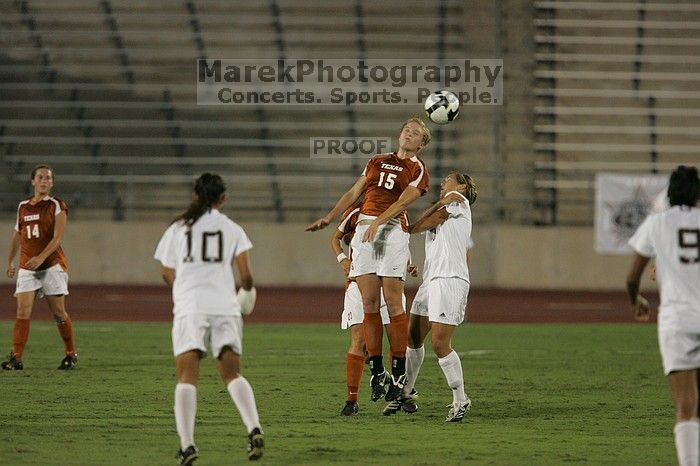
(376, 365)
(398, 367)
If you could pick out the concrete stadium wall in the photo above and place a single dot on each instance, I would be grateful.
(504, 256)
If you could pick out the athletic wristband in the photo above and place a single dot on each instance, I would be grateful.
(341, 257)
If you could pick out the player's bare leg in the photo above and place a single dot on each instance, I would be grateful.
(229, 363)
(684, 385)
(370, 287)
(20, 331)
(57, 306)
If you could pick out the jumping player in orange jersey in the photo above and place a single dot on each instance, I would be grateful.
(353, 314)
(390, 183)
(41, 222)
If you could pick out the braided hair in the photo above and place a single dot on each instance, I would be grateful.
(684, 187)
(208, 189)
(470, 191)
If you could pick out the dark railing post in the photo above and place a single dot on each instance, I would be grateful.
(651, 103)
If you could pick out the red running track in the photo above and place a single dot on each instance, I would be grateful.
(324, 305)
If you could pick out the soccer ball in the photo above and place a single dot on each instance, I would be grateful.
(442, 107)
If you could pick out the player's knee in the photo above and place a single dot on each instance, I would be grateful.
(187, 377)
(370, 306)
(414, 339)
(356, 349)
(441, 348)
(357, 341)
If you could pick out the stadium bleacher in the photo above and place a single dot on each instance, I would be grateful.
(106, 93)
(616, 90)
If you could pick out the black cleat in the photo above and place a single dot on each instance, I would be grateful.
(69, 362)
(409, 406)
(395, 390)
(378, 385)
(256, 444)
(12, 364)
(404, 403)
(187, 457)
(351, 408)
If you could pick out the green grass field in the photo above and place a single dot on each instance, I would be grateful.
(542, 394)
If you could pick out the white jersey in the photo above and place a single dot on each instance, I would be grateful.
(202, 258)
(446, 246)
(673, 238)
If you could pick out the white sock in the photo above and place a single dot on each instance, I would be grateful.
(414, 359)
(185, 411)
(687, 442)
(242, 395)
(452, 368)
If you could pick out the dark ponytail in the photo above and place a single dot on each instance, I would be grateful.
(684, 186)
(209, 189)
(470, 191)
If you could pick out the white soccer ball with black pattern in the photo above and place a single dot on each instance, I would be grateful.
(442, 107)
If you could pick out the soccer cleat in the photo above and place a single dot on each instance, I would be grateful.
(187, 457)
(409, 402)
(395, 390)
(256, 444)
(458, 410)
(12, 364)
(404, 403)
(378, 385)
(409, 406)
(350, 409)
(69, 362)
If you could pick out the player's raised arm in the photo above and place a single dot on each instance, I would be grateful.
(407, 197)
(433, 216)
(343, 203)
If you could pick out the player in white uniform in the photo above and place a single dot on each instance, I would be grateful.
(441, 300)
(672, 237)
(197, 253)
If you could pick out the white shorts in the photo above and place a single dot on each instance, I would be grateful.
(443, 300)
(199, 331)
(386, 256)
(680, 350)
(49, 282)
(353, 311)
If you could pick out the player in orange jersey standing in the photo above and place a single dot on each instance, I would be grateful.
(390, 183)
(43, 268)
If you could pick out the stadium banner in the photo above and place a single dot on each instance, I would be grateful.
(622, 202)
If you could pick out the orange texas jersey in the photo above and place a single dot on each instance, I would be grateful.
(348, 221)
(35, 225)
(387, 176)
